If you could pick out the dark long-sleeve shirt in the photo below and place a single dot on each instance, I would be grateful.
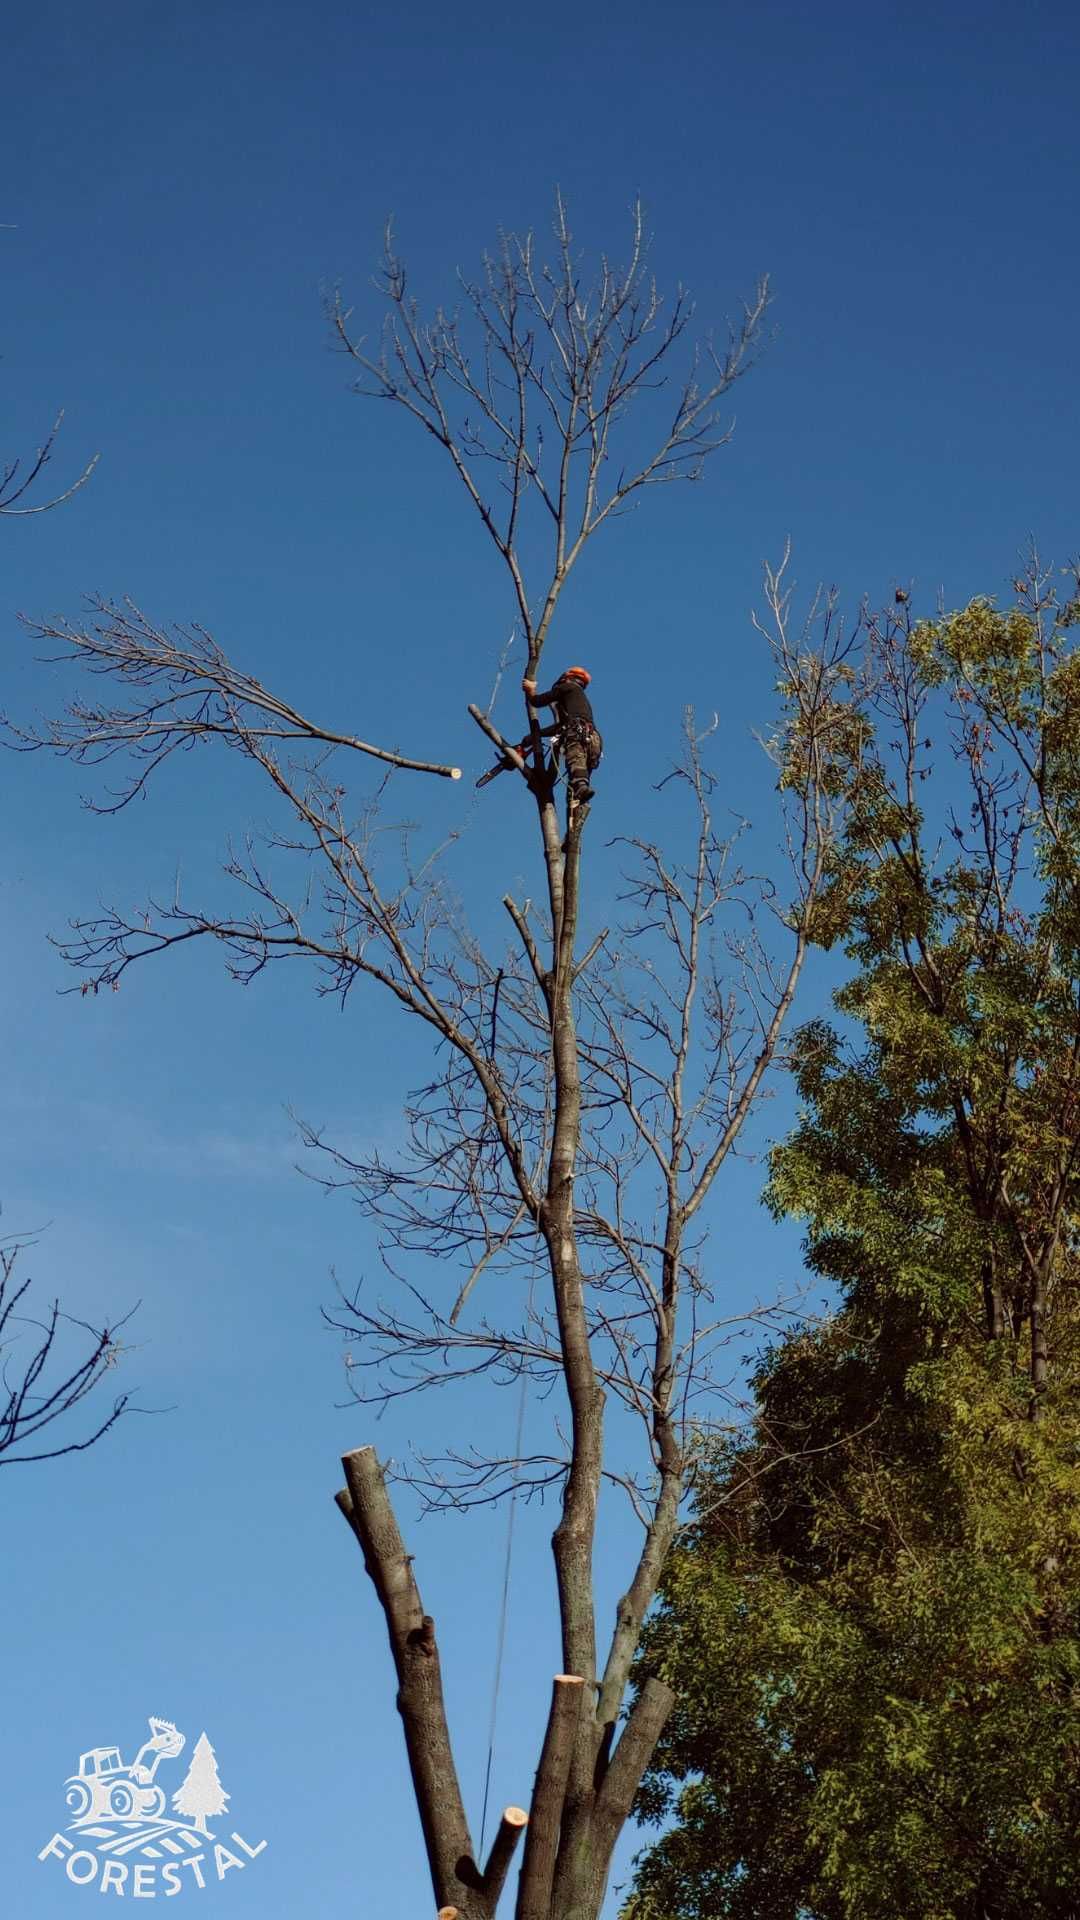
(569, 698)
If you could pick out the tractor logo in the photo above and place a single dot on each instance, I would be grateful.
(103, 1785)
(119, 1837)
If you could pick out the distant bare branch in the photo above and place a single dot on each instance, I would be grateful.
(17, 480)
(42, 1382)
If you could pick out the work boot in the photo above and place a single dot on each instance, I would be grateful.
(584, 793)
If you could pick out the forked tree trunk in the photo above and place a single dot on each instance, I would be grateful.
(558, 1882)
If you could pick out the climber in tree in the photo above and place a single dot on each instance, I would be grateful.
(574, 726)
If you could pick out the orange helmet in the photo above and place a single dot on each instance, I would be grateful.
(577, 673)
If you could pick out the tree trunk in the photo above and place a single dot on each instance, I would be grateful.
(583, 1790)
(366, 1505)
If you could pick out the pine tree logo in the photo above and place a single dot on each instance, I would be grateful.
(202, 1795)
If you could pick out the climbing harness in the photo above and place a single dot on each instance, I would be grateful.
(590, 738)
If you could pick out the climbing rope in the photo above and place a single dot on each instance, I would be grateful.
(500, 1644)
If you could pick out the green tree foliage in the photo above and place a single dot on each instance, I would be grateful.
(874, 1622)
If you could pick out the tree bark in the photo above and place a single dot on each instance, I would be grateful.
(572, 1541)
(1038, 1335)
(367, 1508)
(542, 1841)
(995, 1310)
(615, 1798)
(511, 1827)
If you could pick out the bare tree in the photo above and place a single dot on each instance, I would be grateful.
(42, 1383)
(584, 1104)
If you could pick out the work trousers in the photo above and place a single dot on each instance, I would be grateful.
(577, 764)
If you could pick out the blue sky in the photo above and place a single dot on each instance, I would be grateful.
(180, 186)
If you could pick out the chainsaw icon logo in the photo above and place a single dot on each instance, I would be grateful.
(105, 1789)
(121, 1840)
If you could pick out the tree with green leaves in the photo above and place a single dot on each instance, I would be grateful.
(873, 1624)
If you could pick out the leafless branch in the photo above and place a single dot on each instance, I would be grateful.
(527, 387)
(41, 1383)
(181, 692)
(16, 482)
